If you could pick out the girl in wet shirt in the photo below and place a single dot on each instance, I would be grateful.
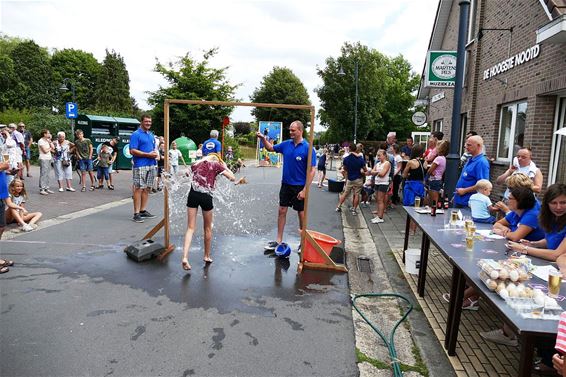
(204, 173)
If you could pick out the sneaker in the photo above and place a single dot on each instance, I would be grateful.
(338, 209)
(271, 245)
(43, 192)
(446, 297)
(61, 189)
(470, 304)
(354, 212)
(498, 336)
(137, 218)
(146, 215)
(377, 220)
(49, 191)
(27, 228)
(70, 189)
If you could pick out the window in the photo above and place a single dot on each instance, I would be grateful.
(420, 137)
(436, 125)
(511, 130)
(558, 154)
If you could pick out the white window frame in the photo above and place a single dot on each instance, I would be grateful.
(510, 153)
(472, 32)
(422, 137)
(437, 125)
(559, 120)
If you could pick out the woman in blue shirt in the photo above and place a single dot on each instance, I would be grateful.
(552, 220)
(522, 221)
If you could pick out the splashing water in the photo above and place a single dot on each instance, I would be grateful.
(232, 204)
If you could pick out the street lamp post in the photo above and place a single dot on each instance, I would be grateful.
(342, 73)
(64, 87)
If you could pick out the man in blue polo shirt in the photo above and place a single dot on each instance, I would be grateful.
(296, 176)
(476, 168)
(142, 148)
(212, 145)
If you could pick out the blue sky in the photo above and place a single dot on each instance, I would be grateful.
(252, 36)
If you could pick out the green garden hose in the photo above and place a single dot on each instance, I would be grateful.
(391, 342)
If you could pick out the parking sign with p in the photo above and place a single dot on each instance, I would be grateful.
(71, 110)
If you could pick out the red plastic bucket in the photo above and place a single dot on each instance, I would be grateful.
(325, 241)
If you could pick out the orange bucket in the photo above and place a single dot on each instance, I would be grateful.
(325, 241)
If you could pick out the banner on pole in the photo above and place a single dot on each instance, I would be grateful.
(273, 131)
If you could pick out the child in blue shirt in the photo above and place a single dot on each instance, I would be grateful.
(480, 204)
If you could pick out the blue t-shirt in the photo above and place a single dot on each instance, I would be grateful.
(478, 203)
(143, 141)
(295, 161)
(3, 185)
(406, 150)
(555, 238)
(212, 145)
(528, 218)
(354, 165)
(475, 169)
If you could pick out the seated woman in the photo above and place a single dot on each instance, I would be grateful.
(552, 247)
(522, 220)
(15, 211)
(516, 180)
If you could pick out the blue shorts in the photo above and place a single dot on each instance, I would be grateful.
(26, 156)
(435, 185)
(85, 165)
(103, 172)
(411, 190)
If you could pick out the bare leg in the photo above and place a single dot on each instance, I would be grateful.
(207, 224)
(13, 215)
(281, 219)
(191, 223)
(356, 200)
(381, 197)
(69, 185)
(144, 198)
(32, 218)
(301, 215)
(91, 177)
(60, 183)
(83, 177)
(138, 192)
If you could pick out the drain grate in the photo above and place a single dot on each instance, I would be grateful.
(364, 264)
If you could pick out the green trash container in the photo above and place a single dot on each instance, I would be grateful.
(98, 129)
(188, 149)
(126, 127)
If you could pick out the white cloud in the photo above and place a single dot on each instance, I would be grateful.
(252, 36)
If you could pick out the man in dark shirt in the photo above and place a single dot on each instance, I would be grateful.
(355, 167)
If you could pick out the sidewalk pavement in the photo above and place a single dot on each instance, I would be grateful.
(475, 356)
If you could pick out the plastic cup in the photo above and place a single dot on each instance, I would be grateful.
(469, 243)
(554, 281)
(417, 202)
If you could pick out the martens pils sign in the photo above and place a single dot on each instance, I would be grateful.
(441, 69)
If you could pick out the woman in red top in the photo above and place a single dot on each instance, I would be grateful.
(204, 172)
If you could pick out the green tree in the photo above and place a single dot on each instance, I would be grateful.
(385, 87)
(189, 78)
(8, 82)
(82, 69)
(34, 86)
(113, 85)
(281, 85)
(242, 128)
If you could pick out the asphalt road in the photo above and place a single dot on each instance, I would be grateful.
(75, 305)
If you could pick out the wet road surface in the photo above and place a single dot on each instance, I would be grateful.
(75, 305)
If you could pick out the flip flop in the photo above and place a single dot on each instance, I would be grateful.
(4, 269)
(207, 260)
(6, 263)
(186, 265)
(83, 189)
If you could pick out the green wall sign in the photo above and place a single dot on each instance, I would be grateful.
(441, 69)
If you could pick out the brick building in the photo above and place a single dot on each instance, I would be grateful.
(514, 91)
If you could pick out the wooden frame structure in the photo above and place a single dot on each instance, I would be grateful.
(164, 223)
